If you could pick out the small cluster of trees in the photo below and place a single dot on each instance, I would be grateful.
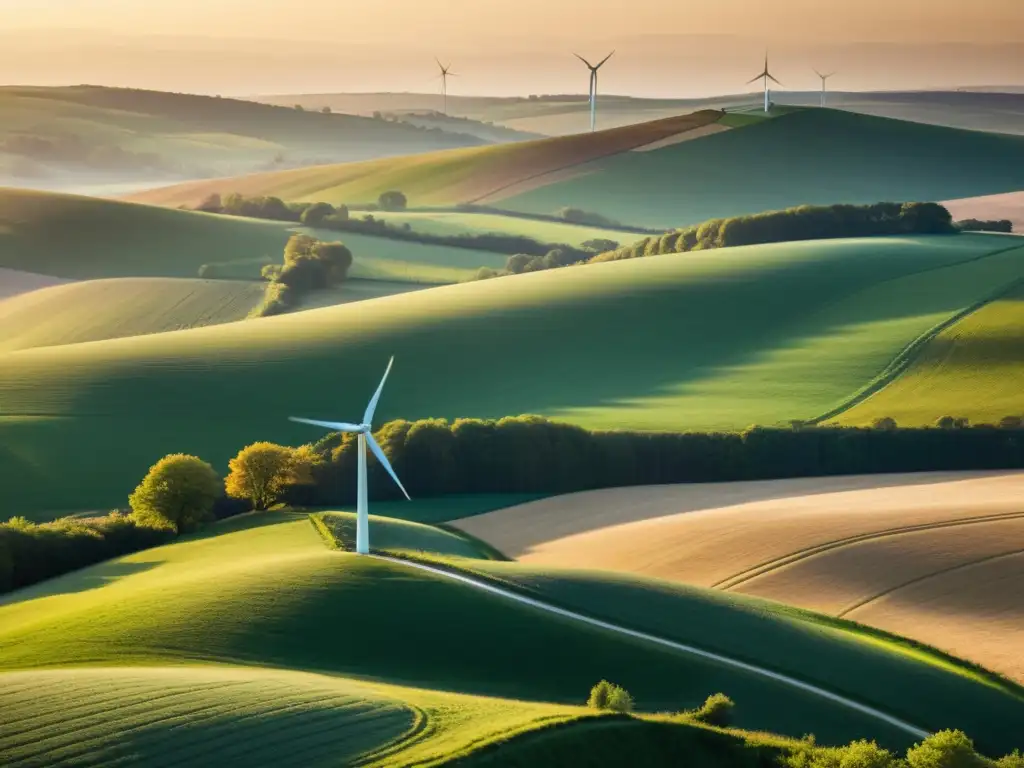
(309, 265)
(588, 218)
(989, 225)
(557, 256)
(806, 222)
(943, 749)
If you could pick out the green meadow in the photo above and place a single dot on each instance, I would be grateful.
(709, 340)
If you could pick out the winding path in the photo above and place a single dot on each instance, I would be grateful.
(913, 730)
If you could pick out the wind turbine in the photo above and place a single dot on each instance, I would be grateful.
(593, 86)
(766, 76)
(365, 441)
(445, 73)
(823, 79)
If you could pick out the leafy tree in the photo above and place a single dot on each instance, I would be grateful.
(392, 201)
(262, 472)
(945, 749)
(211, 204)
(314, 215)
(178, 492)
(716, 710)
(325, 110)
(518, 263)
(599, 245)
(886, 423)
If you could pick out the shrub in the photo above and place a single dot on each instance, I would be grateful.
(211, 204)
(579, 216)
(608, 696)
(716, 710)
(885, 423)
(1013, 760)
(945, 749)
(262, 472)
(974, 225)
(392, 201)
(858, 754)
(178, 492)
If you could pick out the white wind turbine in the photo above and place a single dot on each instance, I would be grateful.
(446, 72)
(365, 441)
(593, 86)
(824, 78)
(766, 76)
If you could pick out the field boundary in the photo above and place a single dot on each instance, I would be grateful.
(792, 682)
(803, 554)
(919, 579)
(909, 354)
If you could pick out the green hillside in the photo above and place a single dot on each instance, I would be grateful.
(55, 135)
(974, 368)
(93, 310)
(759, 334)
(808, 156)
(267, 593)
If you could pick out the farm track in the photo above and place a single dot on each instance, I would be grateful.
(802, 554)
(916, 732)
(935, 574)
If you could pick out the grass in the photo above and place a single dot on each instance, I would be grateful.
(94, 310)
(440, 178)
(934, 691)
(400, 536)
(264, 592)
(972, 369)
(746, 324)
(546, 231)
(808, 156)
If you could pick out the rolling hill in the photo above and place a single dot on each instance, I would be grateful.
(760, 334)
(972, 368)
(442, 178)
(801, 156)
(933, 557)
(255, 618)
(59, 137)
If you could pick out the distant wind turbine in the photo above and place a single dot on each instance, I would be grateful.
(824, 78)
(766, 76)
(446, 72)
(593, 86)
(365, 441)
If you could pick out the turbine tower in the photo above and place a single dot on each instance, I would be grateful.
(824, 78)
(365, 441)
(766, 76)
(593, 86)
(446, 72)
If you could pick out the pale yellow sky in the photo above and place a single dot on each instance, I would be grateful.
(666, 48)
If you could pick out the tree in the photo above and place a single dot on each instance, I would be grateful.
(262, 472)
(210, 204)
(609, 696)
(392, 201)
(945, 749)
(717, 710)
(326, 110)
(337, 257)
(316, 213)
(178, 492)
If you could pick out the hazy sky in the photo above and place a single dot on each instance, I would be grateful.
(505, 46)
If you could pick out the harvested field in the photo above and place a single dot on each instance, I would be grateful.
(1009, 205)
(679, 138)
(857, 547)
(14, 282)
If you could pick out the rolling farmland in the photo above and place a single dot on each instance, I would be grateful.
(719, 370)
(893, 552)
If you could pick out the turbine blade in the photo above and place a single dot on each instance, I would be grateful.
(755, 79)
(372, 406)
(604, 60)
(584, 60)
(819, 73)
(339, 426)
(376, 449)
(773, 79)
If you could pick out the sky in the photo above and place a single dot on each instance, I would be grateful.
(507, 47)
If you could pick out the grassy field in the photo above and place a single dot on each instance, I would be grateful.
(265, 592)
(546, 231)
(14, 282)
(932, 556)
(761, 335)
(805, 157)
(972, 368)
(802, 156)
(186, 135)
(441, 178)
(93, 310)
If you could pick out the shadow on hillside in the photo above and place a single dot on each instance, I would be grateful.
(91, 577)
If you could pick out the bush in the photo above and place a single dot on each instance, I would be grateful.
(315, 214)
(31, 552)
(974, 225)
(611, 697)
(1014, 760)
(945, 749)
(392, 201)
(178, 492)
(716, 710)
(886, 423)
(579, 216)
(262, 473)
(858, 754)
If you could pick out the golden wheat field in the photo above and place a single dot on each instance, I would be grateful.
(936, 557)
